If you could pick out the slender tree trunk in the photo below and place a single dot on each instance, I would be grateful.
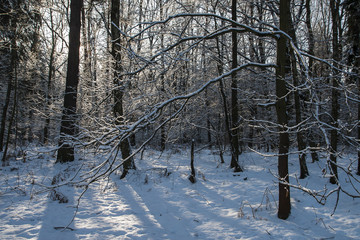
(4, 112)
(225, 102)
(354, 35)
(262, 56)
(358, 128)
(226, 112)
(87, 39)
(11, 75)
(334, 6)
(92, 60)
(261, 42)
(304, 172)
(51, 72)
(86, 46)
(207, 101)
(208, 122)
(69, 118)
(234, 100)
(118, 93)
(192, 176)
(254, 56)
(162, 79)
(311, 39)
(352, 7)
(281, 112)
(5, 161)
(220, 68)
(48, 97)
(12, 79)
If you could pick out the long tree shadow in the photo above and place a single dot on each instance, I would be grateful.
(120, 212)
(168, 224)
(115, 215)
(185, 211)
(60, 208)
(221, 204)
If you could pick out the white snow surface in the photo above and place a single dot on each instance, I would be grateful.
(157, 201)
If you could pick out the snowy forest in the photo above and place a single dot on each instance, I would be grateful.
(179, 119)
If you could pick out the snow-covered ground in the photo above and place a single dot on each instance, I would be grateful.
(159, 202)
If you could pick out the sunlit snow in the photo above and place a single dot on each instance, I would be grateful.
(149, 204)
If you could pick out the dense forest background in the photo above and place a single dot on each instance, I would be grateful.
(115, 77)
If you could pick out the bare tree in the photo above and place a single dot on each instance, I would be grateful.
(119, 88)
(9, 20)
(311, 40)
(235, 151)
(353, 9)
(334, 7)
(304, 172)
(68, 121)
(282, 71)
(51, 73)
(179, 60)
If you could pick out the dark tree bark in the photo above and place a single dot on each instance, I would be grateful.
(69, 118)
(4, 112)
(261, 42)
(8, 20)
(12, 80)
(334, 7)
(281, 93)
(220, 70)
(358, 87)
(311, 39)
(5, 161)
(162, 80)
(207, 96)
(192, 176)
(12, 84)
(235, 152)
(119, 91)
(353, 11)
(226, 108)
(51, 73)
(304, 172)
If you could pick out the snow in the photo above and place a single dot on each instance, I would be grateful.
(158, 201)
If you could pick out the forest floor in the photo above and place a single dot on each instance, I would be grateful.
(159, 202)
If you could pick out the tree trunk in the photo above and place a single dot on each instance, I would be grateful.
(281, 112)
(12, 79)
(69, 118)
(234, 101)
(192, 176)
(207, 97)
(162, 79)
(118, 93)
(5, 161)
(311, 39)
(51, 73)
(334, 6)
(304, 172)
(352, 8)
(11, 74)
(358, 128)
(4, 112)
